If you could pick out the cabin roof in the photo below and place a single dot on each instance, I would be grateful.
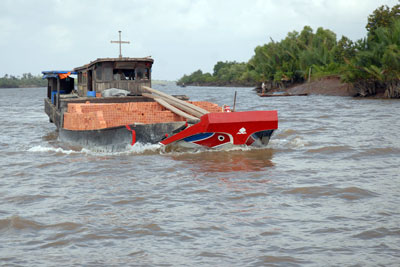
(123, 59)
(54, 73)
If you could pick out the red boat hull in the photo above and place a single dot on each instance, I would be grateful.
(235, 128)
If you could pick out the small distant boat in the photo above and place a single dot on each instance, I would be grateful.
(281, 94)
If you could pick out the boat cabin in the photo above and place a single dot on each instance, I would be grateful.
(104, 73)
(123, 73)
(59, 82)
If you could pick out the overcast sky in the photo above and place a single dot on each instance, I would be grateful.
(181, 35)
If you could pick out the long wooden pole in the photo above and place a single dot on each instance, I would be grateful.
(175, 110)
(58, 93)
(183, 107)
(176, 100)
(176, 104)
(190, 118)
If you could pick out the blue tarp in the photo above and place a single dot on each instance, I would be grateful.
(54, 73)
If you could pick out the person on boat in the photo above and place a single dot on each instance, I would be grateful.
(119, 76)
(263, 87)
(131, 75)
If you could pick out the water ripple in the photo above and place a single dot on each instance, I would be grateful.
(348, 193)
(378, 233)
(279, 261)
(330, 149)
(324, 192)
(18, 223)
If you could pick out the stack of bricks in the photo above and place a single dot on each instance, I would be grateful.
(92, 116)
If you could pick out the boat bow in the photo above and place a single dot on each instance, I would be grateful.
(238, 125)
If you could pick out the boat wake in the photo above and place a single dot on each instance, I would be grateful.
(293, 143)
(136, 149)
(47, 149)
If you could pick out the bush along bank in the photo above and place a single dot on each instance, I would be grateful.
(371, 65)
(26, 80)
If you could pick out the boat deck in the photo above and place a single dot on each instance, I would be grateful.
(92, 113)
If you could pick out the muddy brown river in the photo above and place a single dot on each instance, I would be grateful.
(325, 192)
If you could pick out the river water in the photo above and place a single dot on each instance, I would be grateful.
(326, 191)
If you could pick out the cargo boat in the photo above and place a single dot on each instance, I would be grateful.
(113, 106)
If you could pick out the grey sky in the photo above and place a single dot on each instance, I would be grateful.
(181, 35)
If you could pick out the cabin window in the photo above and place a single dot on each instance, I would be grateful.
(99, 73)
(124, 74)
(143, 73)
(130, 74)
(140, 73)
(80, 77)
(108, 73)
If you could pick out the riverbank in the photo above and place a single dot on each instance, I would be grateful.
(330, 86)
(217, 84)
(27, 80)
(23, 86)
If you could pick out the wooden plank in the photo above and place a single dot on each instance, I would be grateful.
(179, 112)
(175, 104)
(183, 107)
(170, 107)
(188, 105)
(58, 93)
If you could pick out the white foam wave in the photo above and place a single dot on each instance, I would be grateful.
(141, 148)
(292, 143)
(298, 142)
(177, 150)
(137, 148)
(43, 149)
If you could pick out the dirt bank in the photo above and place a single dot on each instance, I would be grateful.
(326, 86)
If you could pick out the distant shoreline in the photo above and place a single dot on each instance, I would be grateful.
(327, 86)
(27, 80)
(23, 86)
(217, 84)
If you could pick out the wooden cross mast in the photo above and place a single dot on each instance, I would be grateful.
(120, 42)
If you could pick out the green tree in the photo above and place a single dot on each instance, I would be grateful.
(376, 65)
(371, 63)
(27, 80)
(382, 17)
(344, 51)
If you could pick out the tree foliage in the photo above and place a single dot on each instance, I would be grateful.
(225, 73)
(26, 80)
(284, 62)
(376, 66)
(372, 64)
(290, 60)
(382, 17)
